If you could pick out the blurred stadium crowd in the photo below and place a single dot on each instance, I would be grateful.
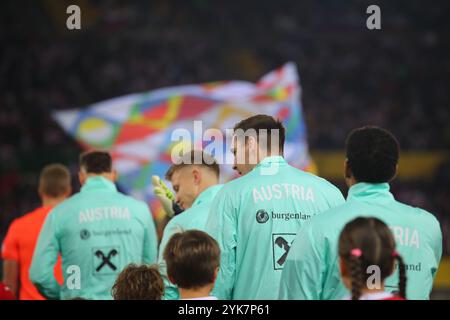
(396, 78)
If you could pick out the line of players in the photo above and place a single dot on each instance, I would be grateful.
(262, 256)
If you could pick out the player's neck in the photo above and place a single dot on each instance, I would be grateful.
(195, 293)
(262, 156)
(206, 184)
(52, 202)
(350, 181)
(107, 175)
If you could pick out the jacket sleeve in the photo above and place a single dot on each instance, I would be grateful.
(222, 226)
(170, 290)
(302, 275)
(44, 259)
(150, 254)
(437, 245)
(335, 197)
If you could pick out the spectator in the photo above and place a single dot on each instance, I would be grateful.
(138, 282)
(193, 259)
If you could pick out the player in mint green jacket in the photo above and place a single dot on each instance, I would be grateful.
(98, 232)
(255, 218)
(195, 186)
(312, 267)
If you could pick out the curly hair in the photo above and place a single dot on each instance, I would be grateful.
(138, 282)
(372, 154)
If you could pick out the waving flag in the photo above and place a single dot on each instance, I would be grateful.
(137, 128)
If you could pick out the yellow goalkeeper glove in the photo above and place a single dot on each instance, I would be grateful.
(164, 195)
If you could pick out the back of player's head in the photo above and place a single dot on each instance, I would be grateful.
(366, 242)
(194, 157)
(263, 122)
(96, 162)
(138, 282)
(192, 259)
(55, 181)
(372, 154)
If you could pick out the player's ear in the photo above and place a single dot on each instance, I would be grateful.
(347, 171)
(395, 174)
(82, 177)
(216, 272)
(252, 143)
(348, 174)
(68, 191)
(114, 175)
(197, 174)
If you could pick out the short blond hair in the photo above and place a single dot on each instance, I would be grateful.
(189, 158)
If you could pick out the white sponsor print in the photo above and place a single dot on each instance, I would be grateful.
(97, 214)
(281, 191)
(406, 237)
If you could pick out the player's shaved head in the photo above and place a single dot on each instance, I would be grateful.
(195, 157)
(55, 181)
(96, 161)
(264, 122)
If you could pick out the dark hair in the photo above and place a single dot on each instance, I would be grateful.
(191, 158)
(96, 161)
(377, 247)
(192, 258)
(261, 122)
(138, 282)
(54, 180)
(372, 154)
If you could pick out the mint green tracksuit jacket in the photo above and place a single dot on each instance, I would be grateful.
(98, 232)
(312, 266)
(193, 218)
(255, 219)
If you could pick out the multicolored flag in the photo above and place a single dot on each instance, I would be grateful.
(137, 128)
